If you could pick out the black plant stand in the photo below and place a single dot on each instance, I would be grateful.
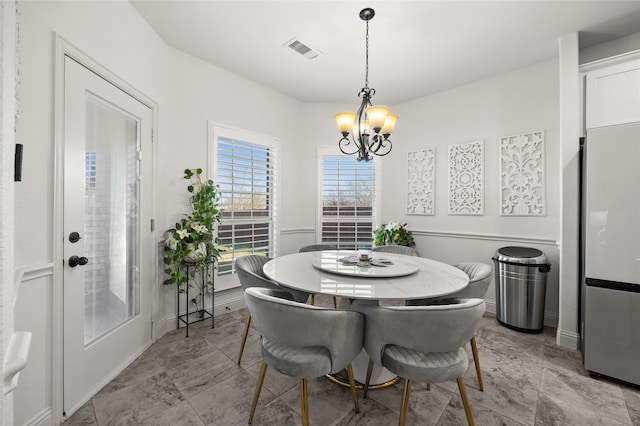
(200, 313)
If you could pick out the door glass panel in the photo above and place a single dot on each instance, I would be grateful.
(111, 218)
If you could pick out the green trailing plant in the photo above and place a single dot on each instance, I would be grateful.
(192, 241)
(392, 233)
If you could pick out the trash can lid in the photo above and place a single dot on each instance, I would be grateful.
(523, 255)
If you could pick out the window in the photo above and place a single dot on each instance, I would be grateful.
(347, 198)
(244, 167)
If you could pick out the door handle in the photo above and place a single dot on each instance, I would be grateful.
(75, 261)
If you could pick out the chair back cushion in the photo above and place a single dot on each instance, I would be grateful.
(250, 273)
(316, 247)
(289, 325)
(434, 328)
(393, 248)
(480, 277)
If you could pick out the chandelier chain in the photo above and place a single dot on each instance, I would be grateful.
(366, 75)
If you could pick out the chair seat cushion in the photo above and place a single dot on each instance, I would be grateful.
(432, 367)
(307, 361)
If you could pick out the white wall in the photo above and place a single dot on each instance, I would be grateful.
(201, 92)
(8, 45)
(113, 34)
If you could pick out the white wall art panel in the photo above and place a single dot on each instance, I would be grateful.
(522, 181)
(466, 176)
(420, 182)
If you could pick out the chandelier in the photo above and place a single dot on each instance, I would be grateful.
(372, 125)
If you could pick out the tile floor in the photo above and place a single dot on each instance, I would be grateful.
(528, 380)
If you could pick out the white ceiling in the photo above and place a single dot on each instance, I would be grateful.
(416, 47)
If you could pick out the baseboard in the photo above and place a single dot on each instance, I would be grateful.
(225, 301)
(43, 418)
(568, 339)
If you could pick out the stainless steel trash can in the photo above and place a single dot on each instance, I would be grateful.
(521, 283)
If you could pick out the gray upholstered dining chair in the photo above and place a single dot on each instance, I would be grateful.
(393, 248)
(316, 247)
(319, 247)
(422, 343)
(480, 276)
(303, 341)
(250, 274)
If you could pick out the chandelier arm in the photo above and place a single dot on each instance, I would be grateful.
(345, 142)
(380, 143)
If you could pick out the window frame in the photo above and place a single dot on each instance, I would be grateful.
(331, 150)
(216, 131)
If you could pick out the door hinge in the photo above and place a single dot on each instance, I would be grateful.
(153, 225)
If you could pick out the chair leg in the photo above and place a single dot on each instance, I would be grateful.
(405, 402)
(352, 383)
(476, 360)
(368, 379)
(465, 401)
(305, 402)
(335, 303)
(244, 337)
(256, 395)
(313, 299)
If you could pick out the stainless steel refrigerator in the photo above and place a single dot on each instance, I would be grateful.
(610, 291)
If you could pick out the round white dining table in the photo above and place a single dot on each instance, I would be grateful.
(336, 273)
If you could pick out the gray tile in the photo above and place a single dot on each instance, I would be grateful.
(585, 394)
(274, 381)
(513, 345)
(371, 413)
(454, 415)
(178, 415)
(508, 389)
(632, 399)
(328, 402)
(554, 412)
(195, 381)
(84, 416)
(274, 413)
(145, 366)
(174, 351)
(555, 356)
(227, 334)
(499, 364)
(229, 402)
(196, 374)
(252, 350)
(133, 404)
(425, 406)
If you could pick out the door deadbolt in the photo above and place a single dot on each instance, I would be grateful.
(74, 237)
(75, 261)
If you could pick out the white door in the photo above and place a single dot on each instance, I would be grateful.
(107, 233)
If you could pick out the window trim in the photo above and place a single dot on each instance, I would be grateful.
(323, 150)
(216, 130)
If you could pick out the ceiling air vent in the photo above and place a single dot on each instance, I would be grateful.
(298, 46)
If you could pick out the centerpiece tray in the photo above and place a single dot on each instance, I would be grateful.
(375, 267)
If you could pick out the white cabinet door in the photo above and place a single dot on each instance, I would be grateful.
(613, 95)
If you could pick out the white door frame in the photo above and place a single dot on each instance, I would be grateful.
(64, 48)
